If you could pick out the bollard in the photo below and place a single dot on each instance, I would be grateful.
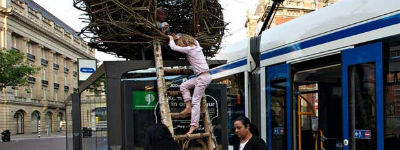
(6, 136)
(39, 129)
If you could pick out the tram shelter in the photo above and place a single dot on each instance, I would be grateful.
(99, 110)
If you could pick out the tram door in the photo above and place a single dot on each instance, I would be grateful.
(317, 105)
(278, 96)
(363, 97)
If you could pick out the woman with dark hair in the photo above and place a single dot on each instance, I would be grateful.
(248, 134)
(158, 137)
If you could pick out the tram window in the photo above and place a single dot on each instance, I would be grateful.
(278, 113)
(362, 104)
(235, 99)
(392, 99)
(307, 105)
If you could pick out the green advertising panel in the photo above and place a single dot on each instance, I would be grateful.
(144, 100)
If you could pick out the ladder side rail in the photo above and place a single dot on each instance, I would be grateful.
(162, 89)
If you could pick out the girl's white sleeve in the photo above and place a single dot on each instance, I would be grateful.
(178, 48)
(196, 43)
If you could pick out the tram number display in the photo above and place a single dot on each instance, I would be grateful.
(362, 134)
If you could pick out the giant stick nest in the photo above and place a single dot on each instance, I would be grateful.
(127, 28)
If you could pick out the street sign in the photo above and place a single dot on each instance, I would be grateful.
(86, 68)
(362, 134)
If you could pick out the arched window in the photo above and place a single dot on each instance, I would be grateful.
(19, 118)
(61, 122)
(49, 120)
(35, 120)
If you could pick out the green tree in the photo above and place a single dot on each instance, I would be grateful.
(13, 70)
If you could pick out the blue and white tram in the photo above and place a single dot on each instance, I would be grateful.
(328, 80)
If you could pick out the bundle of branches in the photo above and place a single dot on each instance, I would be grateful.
(127, 27)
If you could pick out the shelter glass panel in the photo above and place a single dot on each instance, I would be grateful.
(94, 116)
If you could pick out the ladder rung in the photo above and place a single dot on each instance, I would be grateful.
(173, 93)
(178, 71)
(192, 136)
(178, 115)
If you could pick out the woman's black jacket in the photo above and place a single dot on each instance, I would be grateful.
(255, 143)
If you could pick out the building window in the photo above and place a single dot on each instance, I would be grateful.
(44, 93)
(55, 95)
(43, 73)
(14, 42)
(28, 47)
(43, 51)
(55, 77)
(30, 92)
(65, 79)
(55, 58)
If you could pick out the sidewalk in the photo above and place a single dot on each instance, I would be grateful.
(19, 137)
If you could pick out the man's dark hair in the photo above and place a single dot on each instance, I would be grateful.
(158, 137)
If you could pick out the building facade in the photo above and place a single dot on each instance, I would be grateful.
(288, 10)
(52, 46)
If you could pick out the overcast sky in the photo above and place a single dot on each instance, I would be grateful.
(234, 12)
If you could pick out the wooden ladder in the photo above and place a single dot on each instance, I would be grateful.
(166, 115)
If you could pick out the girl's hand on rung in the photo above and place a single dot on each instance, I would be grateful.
(170, 37)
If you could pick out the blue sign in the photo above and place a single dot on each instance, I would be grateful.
(362, 134)
(87, 70)
(279, 131)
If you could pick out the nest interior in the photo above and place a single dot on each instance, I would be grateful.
(127, 28)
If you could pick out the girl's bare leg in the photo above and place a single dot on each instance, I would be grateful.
(191, 130)
(188, 108)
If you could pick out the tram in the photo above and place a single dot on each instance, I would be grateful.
(326, 80)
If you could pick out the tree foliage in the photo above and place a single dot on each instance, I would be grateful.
(13, 70)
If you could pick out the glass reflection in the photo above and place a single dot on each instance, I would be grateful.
(392, 100)
(362, 100)
(235, 99)
(278, 115)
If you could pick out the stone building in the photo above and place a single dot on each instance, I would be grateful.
(290, 9)
(51, 45)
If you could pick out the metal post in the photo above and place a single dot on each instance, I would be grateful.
(76, 122)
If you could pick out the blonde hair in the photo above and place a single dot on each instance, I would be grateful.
(186, 40)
